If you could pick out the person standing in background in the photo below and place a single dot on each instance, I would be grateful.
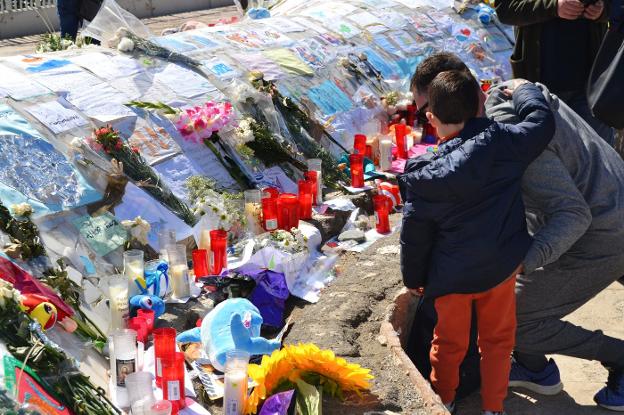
(556, 44)
(69, 16)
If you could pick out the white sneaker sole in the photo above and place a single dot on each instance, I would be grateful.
(612, 408)
(542, 390)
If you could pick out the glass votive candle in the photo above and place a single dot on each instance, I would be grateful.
(253, 210)
(218, 251)
(359, 144)
(356, 162)
(178, 271)
(140, 391)
(173, 380)
(305, 199)
(164, 345)
(411, 115)
(385, 155)
(235, 388)
(139, 325)
(200, 263)
(269, 214)
(134, 270)
(270, 192)
(369, 152)
(311, 175)
(287, 211)
(316, 165)
(125, 362)
(382, 205)
(401, 142)
(118, 301)
(149, 316)
(159, 408)
(165, 237)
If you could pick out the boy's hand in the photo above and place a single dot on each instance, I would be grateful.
(417, 292)
(513, 85)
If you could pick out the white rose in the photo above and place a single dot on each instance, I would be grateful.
(125, 45)
(22, 209)
(76, 143)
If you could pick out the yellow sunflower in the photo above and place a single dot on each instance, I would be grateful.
(293, 362)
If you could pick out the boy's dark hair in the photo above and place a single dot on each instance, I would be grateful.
(454, 97)
(428, 69)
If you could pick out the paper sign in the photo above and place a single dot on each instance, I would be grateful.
(175, 172)
(56, 117)
(289, 61)
(68, 78)
(101, 102)
(284, 25)
(18, 86)
(104, 233)
(108, 67)
(256, 61)
(154, 143)
(142, 87)
(175, 44)
(48, 65)
(183, 81)
(385, 44)
(343, 28)
(404, 40)
(220, 68)
(329, 98)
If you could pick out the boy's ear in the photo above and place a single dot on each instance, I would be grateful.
(431, 117)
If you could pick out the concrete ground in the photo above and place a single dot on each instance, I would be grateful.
(27, 44)
(581, 379)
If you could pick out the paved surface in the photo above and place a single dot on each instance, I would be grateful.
(27, 44)
(581, 379)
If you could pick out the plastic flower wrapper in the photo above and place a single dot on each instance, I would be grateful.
(138, 228)
(292, 242)
(277, 404)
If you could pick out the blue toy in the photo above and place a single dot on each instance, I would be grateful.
(234, 324)
(256, 13)
(147, 302)
(485, 13)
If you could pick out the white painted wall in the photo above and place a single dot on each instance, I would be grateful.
(36, 20)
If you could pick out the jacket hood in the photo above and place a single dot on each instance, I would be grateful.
(458, 168)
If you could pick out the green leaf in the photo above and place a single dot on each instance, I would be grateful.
(309, 399)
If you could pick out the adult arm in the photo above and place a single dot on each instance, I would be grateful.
(550, 192)
(537, 123)
(525, 12)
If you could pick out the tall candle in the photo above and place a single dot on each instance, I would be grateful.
(385, 155)
(316, 165)
(118, 301)
(253, 212)
(204, 243)
(134, 270)
(235, 388)
(180, 281)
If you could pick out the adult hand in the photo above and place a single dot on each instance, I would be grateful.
(594, 11)
(570, 9)
(513, 85)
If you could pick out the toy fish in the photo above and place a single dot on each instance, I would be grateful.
(147, 302)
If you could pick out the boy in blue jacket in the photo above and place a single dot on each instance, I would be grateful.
(464, 231)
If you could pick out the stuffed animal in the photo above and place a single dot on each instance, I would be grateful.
(234, 324)
(147, 302)
(40, 309)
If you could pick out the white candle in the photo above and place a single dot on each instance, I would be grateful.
(385, 154)
(180, 281)
(134, 271)
(417, 132)
(235, 392)
(118, 301)
(252, 214)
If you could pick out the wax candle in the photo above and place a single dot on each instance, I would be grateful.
(357, 170)
(269, 214)
(164, 345)
(218, 251)
(359, 144)
(287, 211)
(235, 388)
(134, 271)
(178, 271)
(165, 237)
(417, 132)
(316, 165)
(124, 341)
(270, 192)
(305, 199)
(385, 155)
(173, 380)
(382, 210)
(200, 263)
(118, 301)
(149, 317)
(311, 176)
(253, 211)
(401, 142)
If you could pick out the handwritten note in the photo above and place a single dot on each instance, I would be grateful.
(289, 61)
(154, 143)
(103, 233)
(329, 98)
(18, 86)
(183, 81)
(56, 117)
(107, 66)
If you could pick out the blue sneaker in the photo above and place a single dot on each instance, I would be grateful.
(546, 382)
(612, 396)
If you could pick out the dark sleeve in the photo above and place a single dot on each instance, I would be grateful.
(417, 236)
(537, 123)
(525, 12)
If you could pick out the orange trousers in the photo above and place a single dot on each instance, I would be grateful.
(496, 317)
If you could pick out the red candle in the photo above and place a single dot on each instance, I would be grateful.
(200, 263)
(357, 170)
(270, 192)
(312, 175)
(411, 114)
(269, 214)
(401, 142)
(164, 345)
(369, 152)
(382, 210)
(305, 199)
(359, 144)
(173, 380)
(139, 325)
(149, 317)
(287, 211)
(218, 251)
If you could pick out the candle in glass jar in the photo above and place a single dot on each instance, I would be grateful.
(134, 271)
(385, 155)
(235, 388)
(253, 210)
(118, 301)
(180, 280)
(316, 165)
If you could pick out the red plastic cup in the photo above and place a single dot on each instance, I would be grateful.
(269, 214)
(200, 263)
(270, 192)
(287, 211)
(149, 317)
(382, 210)
(357, 169)
(218, 251)
(359, 144)
(401, 142)
(305, 198)
(173, 380)
(139, 325)
(164, 345)
(312, 175)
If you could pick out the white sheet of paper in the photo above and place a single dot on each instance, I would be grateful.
(284, 25)
(56, 117)
(108, 67)
(364, 19)
(101, 102)
(183, 81)
(143, 87)
(19, 86)
(67, 78)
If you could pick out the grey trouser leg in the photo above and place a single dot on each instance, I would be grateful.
(545, 297)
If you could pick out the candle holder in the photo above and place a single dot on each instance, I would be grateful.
(140, 391)
(235, 389)
(178, 271)
(165, 237)
(316, 165)
(164, 345)
(118, 301)
(356, 162)
(125, 362)
(385, 155)
(139, 325)
(312, 176)
(382, 210)
(173, 380)
(160, 408)
(149, 316)
(359, 144)
(253, 211)
(287, 211)
(200, 263)
(269, 214)
(305, 199)
(134, 270)
(218, 251)
(401, 142)
(270, 192)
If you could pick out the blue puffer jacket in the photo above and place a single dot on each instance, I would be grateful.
(464, 227)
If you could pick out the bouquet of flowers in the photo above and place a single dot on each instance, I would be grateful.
(53, 42)
(284, 369)
(26, 341)
(107, 140)
(292, 242)
(23, 233)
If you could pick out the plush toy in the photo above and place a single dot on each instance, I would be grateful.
(234, 324)
(147, 302)
(40, 309)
